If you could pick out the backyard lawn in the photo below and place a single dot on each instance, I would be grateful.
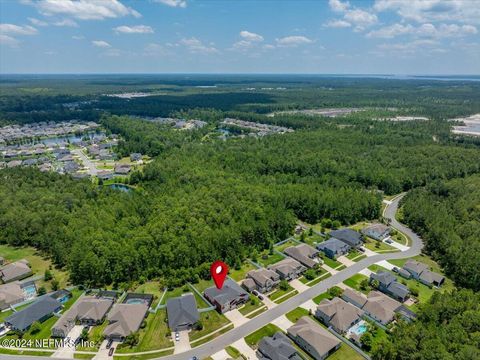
(38, 263)
(345, 352)
(354, 282)
(285, 245)
(265, 258)
(240, 274)
(254, 338)
(185, 290)
(211, 321)
(154, 336)
(151, 287)
(296, 314)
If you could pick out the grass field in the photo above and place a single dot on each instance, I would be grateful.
(258, 312)
(330, 262)
(234, 353)
(296, 314)
(318, 272)
(151, 287)
(211, 336)
(375, 245)
(354, 282)
(249, 307)
(265, 258)
(279, 292)
(154, 336)
(324, 295)
(254, 338)
(285, 245)
(211, 321)
(38, 263)
(240, 274)
(317, 280)
(345, 352)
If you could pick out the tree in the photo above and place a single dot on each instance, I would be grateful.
(284, 285)
(367, 340)
(41, 291)
(364, 284)
(303, 236)
(48, 275)
(35, 328)
(310, 274)
(198, 326)
(55, 284)
(375, 284)
(310, 231)
(132, 339)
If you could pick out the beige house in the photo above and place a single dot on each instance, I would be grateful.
(381, 307)
(313, 339)
(303, 253)
(338, 314)
(15, 271)
(10, 294)
(125, 319)
(288, 269)
(263, 280)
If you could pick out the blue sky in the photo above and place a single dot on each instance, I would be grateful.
(216, 36)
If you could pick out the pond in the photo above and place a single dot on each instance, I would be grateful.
(120, 187)
(68, 139)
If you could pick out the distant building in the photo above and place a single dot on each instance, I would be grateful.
(333, 248)
(182, 312)
(387, 283)
(262, 280)
(122, 169)
(305, 254)
(39, 311)
(229, 297)
(376, 231)
(288, 269)
(422, 273)
(277, 347)
(135, 156)
(338, 314)
(349, 237)
(313, 339)
(15, 271)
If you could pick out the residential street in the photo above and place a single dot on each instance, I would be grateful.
(274, 313)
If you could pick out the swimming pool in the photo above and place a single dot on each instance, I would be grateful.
(135, 301)
(359, 329)
(29, 291)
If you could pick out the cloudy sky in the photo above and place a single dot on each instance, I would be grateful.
(215, 36)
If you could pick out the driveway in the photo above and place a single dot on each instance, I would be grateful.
(298, 285)
(183, 344)
(68, 350)
(246, 350)
(282, 322)
(236, 317)
(103, 351)
(221, 355)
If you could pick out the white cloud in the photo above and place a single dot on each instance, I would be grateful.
(84, 9)
(37, 22)
(249, 36)
(196, 46)
(12, 29)
(65, 22)
(78, 37)
(137, 29)
(360, 18)
(465, 11)
(337, 24)
(409, 47)
(8, 40)
(293, 41)
(268, 46)
(424, 30)
(173, 3)
(101, 44)
(338, 6)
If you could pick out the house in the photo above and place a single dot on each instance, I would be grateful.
(422, 273)
(182, 312)
(122, 169)
(88, 310)
(135, 156)
(304, 254)
(338, 314)
(381, 307)
(354, 297)
(105, 174)
(313, 339)
(39, 311)
(264, 280)
(348, 236)
(277, 347)
(125, 319)
(10, 294)
(288, 269)
(14, 163)
(376, 231)
(387, 283)
(15, 271)
(62, 295)
(334, 248)
(229, 297)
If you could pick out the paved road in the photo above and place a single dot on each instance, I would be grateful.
(221, 342)
(92, 169)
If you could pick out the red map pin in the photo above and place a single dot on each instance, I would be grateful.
(219, 271)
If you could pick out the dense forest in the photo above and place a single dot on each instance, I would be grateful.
(447, 215)
(448, 328)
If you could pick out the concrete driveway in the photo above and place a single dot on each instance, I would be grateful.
(246, 350)
(68, 350)
(236, 317)
(183, 344)
(282, 322)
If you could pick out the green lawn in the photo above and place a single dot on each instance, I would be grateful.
(285, 245)
(176, 293)
(265, 258)
(325, 295)
(258, 312)
(251, 305)
(321, 278)
(375, 245)
(254, 338)
(318, 272)
(75, 295)
(156, 335)
(330, 262)
(241, 273)
(233, 352)
(345, 352)
(279, 292)
(151, 287)
(212, 336)
(354, 282)
(5, 314)
(144, 357)
(286, 297)
(296, 314)
(203, 284)
(211, 321)
(38, 263)
(95, 335)
(353, 254)
(44, 333)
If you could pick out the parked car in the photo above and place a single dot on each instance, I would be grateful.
(395, 269)
(388, 241)
(255, 292)
(361, 249)
(177, 336)
(260, 297)
(110, 352)
(109, 343)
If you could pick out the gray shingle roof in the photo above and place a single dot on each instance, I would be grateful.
(278, 347)
(182, 310)
(348, 236)
(334, 245)
(23, 319)
(230, 291)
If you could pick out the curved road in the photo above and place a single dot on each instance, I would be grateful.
(221, 342)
